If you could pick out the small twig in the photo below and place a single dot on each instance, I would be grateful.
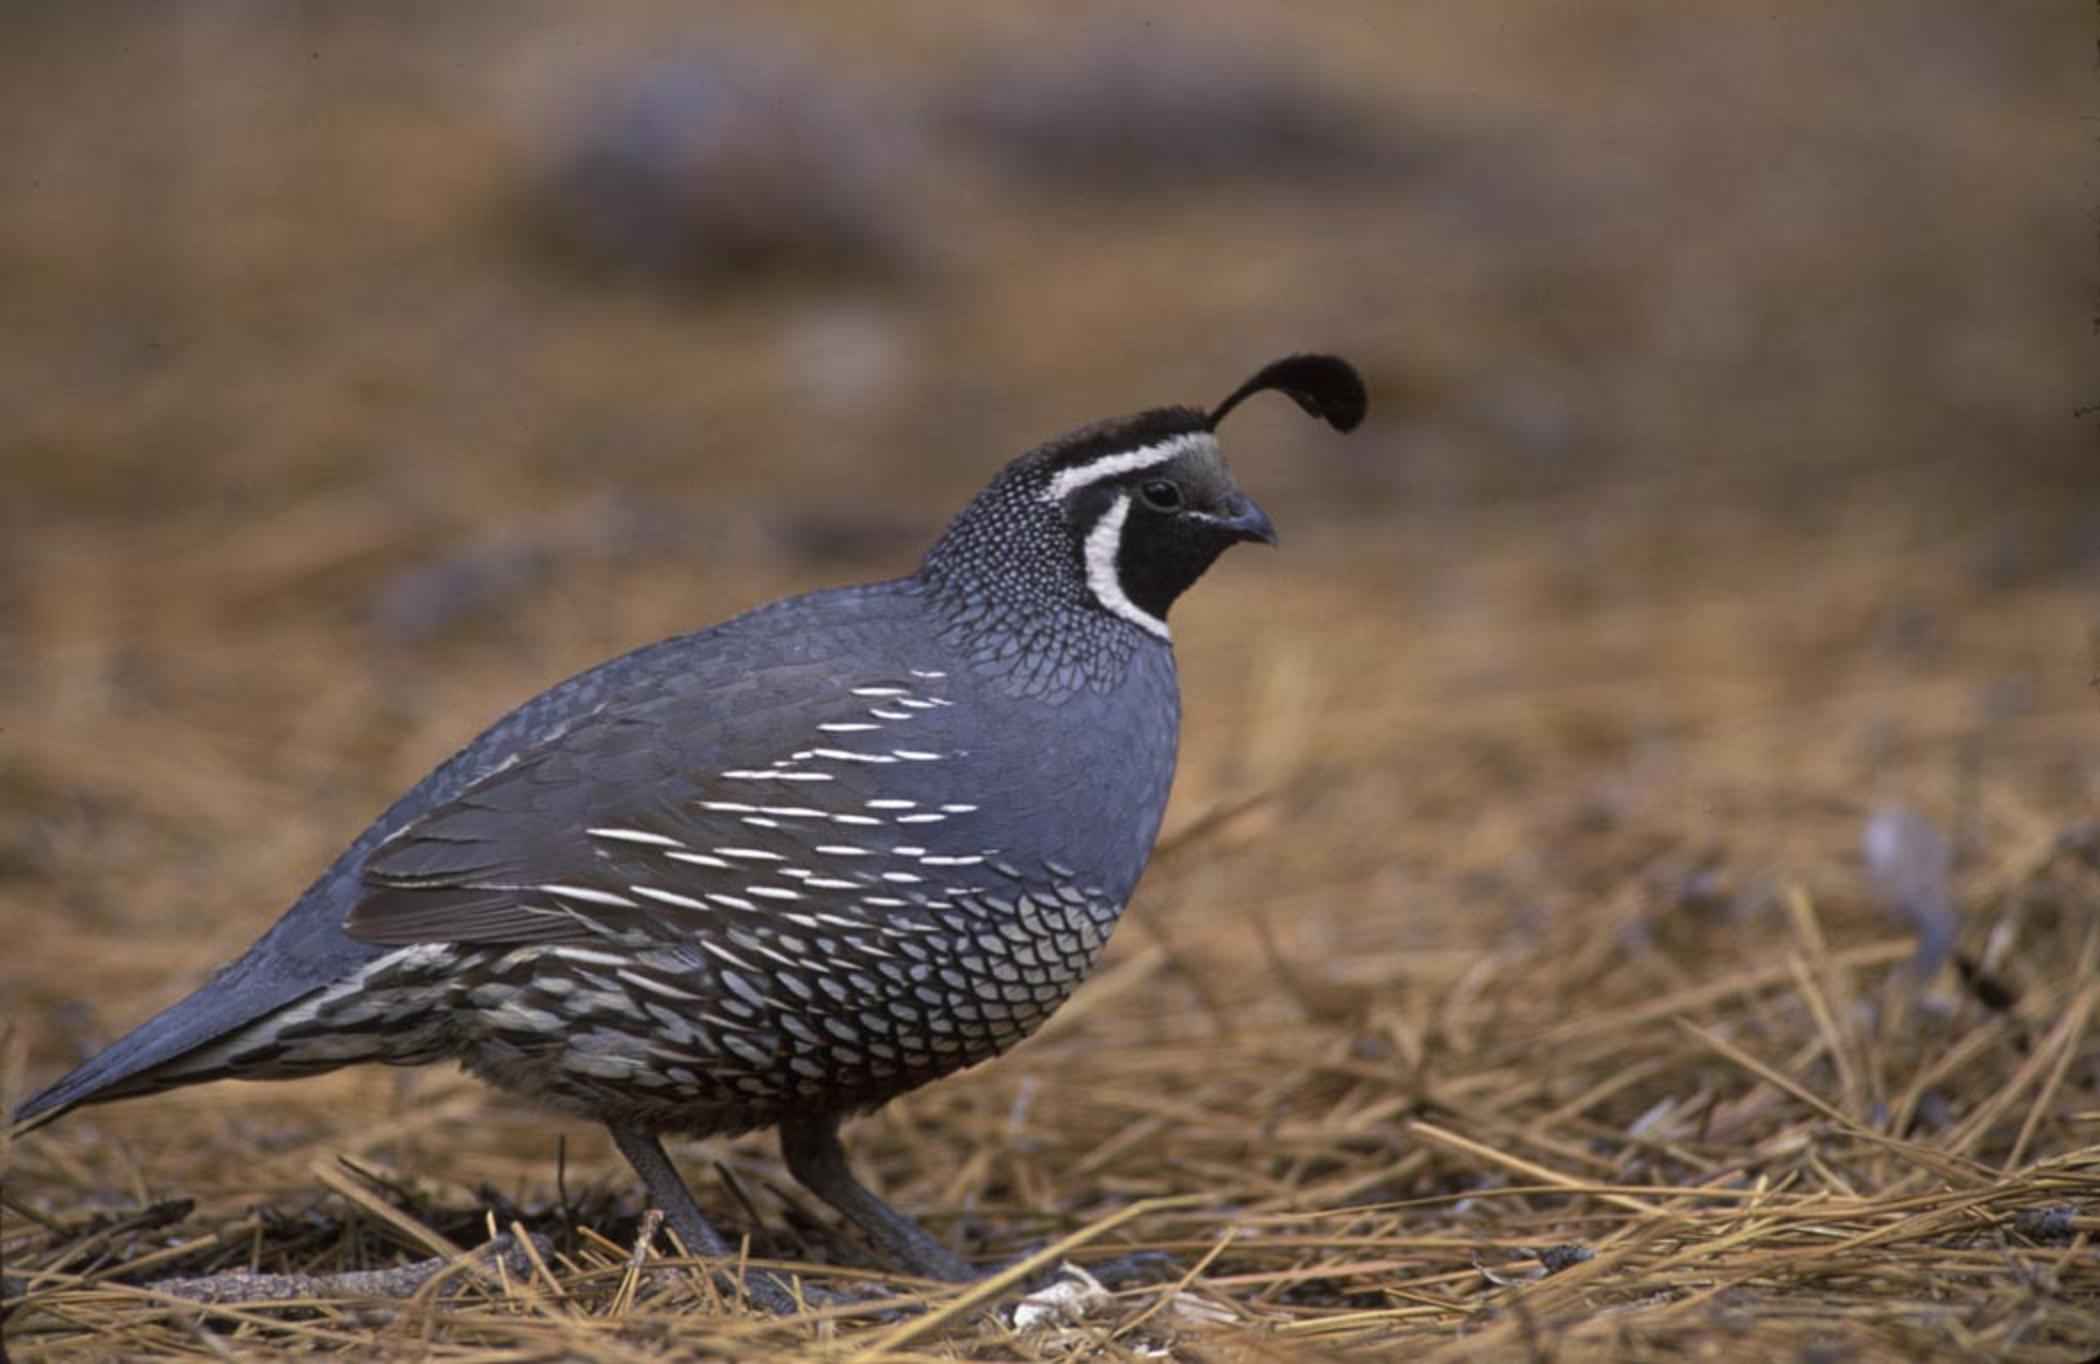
(525, 1241)
(631, 1280)
(1203, 826)
(1439, 1136)
(379, 1209)
(400, 1281)
(1175, 1290)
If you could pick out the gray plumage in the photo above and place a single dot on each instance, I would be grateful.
(783, 869)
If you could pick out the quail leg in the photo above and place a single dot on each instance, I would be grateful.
(814, 1156)
(646, 1154)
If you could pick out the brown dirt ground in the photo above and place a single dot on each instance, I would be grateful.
(1722, 488)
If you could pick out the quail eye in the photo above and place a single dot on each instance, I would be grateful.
(1160, 495)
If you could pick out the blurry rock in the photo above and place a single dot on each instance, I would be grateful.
(477, 581)
(849, 356)
(2055, 1222)
(1910, 865)
(1912, 632)
(727, 163)
(1553, 1259)
(2081, 840)
(1991, 992)
(845, 536)
(430, 599)
(1143, 107)
(1705, 890)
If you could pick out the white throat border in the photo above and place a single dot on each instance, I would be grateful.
(1104, 545)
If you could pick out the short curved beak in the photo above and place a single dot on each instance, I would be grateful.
(1247, 521)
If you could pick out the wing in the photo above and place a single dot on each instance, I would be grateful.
(798, 788)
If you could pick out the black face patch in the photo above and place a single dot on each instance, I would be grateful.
(1162, 555)
(1172, 525)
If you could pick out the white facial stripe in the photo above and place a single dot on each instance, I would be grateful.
(1103, 543)
(1128, 461)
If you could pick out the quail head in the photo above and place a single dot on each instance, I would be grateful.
(781, 870)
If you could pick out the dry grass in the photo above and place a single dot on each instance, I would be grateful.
(1511, 984)
(1356, 1109)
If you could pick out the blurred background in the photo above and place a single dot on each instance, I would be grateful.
(367, 368)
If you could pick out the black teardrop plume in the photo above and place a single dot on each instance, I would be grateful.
(1326, 386)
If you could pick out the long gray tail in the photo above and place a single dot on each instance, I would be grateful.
(305, 952)
(151, 1057)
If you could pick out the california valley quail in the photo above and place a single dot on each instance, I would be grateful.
(779, 871)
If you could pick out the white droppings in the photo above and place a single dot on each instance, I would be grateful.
(1066, 1303)
(698, 859)
(635, 836)
(589, 895)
